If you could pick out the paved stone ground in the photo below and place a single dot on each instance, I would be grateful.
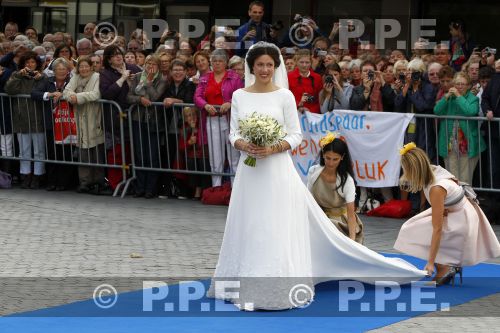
(65, 239)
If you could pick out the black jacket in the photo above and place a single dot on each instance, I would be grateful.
(185, 92)
(490, 101)
(46, 85)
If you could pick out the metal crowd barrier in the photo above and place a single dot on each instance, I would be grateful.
(430, 126)
(160, 141)
(35, 124)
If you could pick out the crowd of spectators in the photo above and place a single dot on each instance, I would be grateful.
(454, 79)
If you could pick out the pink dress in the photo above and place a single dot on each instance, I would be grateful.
(467, 237)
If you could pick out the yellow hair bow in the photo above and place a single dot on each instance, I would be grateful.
(326, 139)
(407, 147)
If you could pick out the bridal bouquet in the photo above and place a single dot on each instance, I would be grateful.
(260, 130)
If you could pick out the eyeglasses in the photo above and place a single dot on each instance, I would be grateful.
(461, 84)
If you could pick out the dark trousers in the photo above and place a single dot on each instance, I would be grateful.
(60, 174)
(90, 175)
(199, 164)
(146, 154)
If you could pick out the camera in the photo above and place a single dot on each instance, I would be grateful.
(416, 76)
(320, 53)
(371, 75)
(328, 79)
(310, 98)
(402, 78)
(490, 51)
(252, 27)
(30, 73)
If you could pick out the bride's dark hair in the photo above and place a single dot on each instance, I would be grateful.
(345, 166)
(264, 49)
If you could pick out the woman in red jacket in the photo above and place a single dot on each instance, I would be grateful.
(305, 84)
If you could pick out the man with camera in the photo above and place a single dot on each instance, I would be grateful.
(255, 30)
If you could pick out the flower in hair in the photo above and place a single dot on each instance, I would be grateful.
(407, 147)
(326, 139)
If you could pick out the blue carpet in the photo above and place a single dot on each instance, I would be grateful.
(323, 315)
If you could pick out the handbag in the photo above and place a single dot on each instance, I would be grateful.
(5, 180)
(370, 203)
(393, 208)
(64, 123)
(217, 195)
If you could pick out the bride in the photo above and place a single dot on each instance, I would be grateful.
(278, 243)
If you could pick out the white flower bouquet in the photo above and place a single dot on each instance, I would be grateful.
(261, 130)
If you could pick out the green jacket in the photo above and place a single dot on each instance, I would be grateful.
(466, 106)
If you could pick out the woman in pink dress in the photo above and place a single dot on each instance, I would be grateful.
(454, 232)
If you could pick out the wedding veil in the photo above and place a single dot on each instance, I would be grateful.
(280, 77)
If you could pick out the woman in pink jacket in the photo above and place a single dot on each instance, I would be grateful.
(216, 89)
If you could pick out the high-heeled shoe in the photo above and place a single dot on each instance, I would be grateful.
(450, 276)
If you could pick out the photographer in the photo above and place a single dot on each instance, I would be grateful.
(305, 84)
(255, 30)
(334, 95)
(27, 119)
(418, 96)
(302, 33)
(488, 56)
(367, 96)
(320, 47)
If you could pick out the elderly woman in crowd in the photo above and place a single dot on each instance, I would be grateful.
(237, 64)
(418, 96)
(216, 88)
(355, 72)
(345, 72)
(460, 142)
(471, 67)
(145, 88)
(114, 83)
(28, 119)
(82, 92)
(48, 92)
(179, 90)
(165, 61)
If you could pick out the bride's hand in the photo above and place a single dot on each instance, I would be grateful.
(262, 152)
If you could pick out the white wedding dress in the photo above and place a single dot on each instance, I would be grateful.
(276, 235)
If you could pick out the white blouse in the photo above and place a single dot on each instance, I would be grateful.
(349, 190)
